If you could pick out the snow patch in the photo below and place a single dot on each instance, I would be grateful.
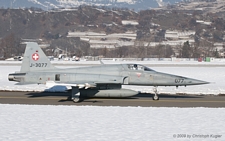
(41, 122)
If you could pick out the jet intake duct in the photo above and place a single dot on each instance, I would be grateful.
(18, 77)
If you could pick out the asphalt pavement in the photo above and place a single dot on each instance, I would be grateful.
(143, 100)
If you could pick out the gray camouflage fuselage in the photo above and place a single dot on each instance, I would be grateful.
(109, 74)
(102, 80)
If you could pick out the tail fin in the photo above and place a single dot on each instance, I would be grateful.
(34, 59)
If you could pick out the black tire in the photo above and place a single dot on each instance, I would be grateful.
(155, 97)
(76, 100)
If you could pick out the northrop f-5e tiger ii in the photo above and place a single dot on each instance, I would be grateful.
(104, 80)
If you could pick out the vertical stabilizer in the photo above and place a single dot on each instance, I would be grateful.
(34, 59)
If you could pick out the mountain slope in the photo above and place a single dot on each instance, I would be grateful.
(49, 4)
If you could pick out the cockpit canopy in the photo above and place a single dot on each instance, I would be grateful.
(138, 67)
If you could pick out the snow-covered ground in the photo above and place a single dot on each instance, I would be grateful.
(92, 123)
(215, 75)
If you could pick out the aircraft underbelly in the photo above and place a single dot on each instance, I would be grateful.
(108, 93)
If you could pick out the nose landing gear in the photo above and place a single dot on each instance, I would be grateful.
(155, 97)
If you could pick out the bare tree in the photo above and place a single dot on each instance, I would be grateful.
(10, 46)
(186, 50)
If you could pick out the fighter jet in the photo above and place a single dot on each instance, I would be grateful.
(104, 80)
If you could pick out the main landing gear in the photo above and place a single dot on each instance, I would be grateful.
(155, 97)
(75, 95)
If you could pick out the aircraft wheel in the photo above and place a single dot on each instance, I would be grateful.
(76, 100)
(155, 97)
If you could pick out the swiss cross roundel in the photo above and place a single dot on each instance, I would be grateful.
(35, 56)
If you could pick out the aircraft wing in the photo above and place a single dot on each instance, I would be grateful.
(80, 85)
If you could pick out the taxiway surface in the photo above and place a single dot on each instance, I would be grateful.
(144, 100)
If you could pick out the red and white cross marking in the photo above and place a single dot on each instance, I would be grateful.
(35, 56)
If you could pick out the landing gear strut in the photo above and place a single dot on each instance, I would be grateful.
(155, 97)
(75, 95)
(76, 98)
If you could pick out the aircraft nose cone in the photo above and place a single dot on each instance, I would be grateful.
(196, 82)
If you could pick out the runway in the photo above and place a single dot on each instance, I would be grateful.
(143, 100)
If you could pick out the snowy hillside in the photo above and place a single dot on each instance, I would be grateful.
(49, 4)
